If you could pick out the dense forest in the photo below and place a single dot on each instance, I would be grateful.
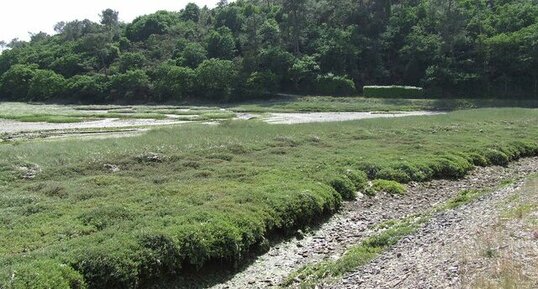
(255, 48)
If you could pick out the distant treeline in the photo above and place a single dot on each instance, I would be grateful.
(254, 48)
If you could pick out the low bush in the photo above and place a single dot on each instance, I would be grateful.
(335, 85)
(42, 274)
(393, 91)
(358, 178)
(344, 186)
(390, 187)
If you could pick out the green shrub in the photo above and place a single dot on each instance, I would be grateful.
(161, 256)
(393, 91)
(335, 85)
(110, 263)
(497, 157)
(358, 178)
(42, 274)
(344, 186)
(393, 175)
(391, 187)
(451, 167)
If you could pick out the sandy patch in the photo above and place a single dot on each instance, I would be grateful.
(10, 126)
(296, 118)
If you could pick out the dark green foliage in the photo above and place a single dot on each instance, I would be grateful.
(452, 49)
(173, 82)
(191, 12)
(393, 91)
(132, 85)
(497, 157)
(47, 84)
(143, 27)
(16, 81)
(221, 44)
(335, 85)
(192, 55)
(259, 83)
(131, 61)
(216, 79)
(87, 88)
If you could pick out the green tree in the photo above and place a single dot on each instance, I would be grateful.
(304, 73)
(262, 83)
(191, 12)
(221, 44)
(157, 23)
(173, 82)
(295, 10)
(46, 84)
(192, 55)
(87, 88)
(134, 85)
(15, 82)
(131, 61)
(215, 79)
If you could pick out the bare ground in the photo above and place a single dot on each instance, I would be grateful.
(11, 126)
(297, 118)
(475, 246)
(355, 223)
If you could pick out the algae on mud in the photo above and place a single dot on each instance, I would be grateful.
(183, 197)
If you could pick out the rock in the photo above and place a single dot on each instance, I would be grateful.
(111, 168)
(29, 171)
(151, 157)
(299, 235)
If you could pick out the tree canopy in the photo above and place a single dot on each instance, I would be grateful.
(253, 48)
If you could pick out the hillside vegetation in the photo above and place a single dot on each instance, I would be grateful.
(254, 48)
(126, 213)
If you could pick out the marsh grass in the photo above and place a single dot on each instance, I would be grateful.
(189, 195)
(350, 104)
(70, 114)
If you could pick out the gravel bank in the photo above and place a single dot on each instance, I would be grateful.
(451, 245)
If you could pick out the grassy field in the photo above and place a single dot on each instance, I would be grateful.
(123, 213)
(349, 104)
(77, 113)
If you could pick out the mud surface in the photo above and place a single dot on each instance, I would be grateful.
(297, 118)
(10, 126)
(355, 223)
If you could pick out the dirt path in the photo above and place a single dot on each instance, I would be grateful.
(456, 249)
(353, 223)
